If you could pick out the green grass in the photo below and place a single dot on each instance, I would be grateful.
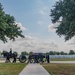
(60, 69)
(62, 59)
(11, 68)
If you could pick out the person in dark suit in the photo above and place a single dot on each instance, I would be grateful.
(47, 58)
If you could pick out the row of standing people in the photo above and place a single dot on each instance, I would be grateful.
(38, 58)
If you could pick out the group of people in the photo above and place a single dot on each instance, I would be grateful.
(38, 58)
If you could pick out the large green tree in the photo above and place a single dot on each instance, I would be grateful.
(8, 27)
(64, 9)
(24, 53)
(71, 52)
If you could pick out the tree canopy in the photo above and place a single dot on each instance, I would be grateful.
(24, 53)
(71, 52)
(8, 27)
(64, 9)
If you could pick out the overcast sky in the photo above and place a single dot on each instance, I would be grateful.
(33, 18)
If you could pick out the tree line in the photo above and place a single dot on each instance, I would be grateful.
(71, 52)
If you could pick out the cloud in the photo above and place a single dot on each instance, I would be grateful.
(34, 44)
(52, 27)
(29, 44)
(71, 42)
(21, 26)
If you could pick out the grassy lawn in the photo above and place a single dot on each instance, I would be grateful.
(62, 59)
(60, 69)
(11, 68)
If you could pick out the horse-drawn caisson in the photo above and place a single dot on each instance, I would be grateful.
(32, 58)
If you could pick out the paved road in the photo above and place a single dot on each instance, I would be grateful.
(71, 62)
(34, 69)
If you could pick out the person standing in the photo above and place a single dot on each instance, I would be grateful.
(47, 58)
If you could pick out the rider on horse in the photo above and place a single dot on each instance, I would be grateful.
(11, 55)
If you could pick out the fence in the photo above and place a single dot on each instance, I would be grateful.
(61, 56)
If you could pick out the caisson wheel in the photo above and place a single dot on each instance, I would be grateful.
(22, 58)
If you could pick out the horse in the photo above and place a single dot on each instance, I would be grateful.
(9, 55)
